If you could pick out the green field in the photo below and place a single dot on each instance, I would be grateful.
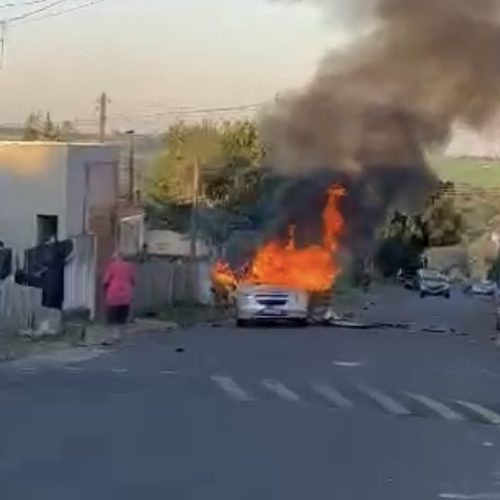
(477, 173)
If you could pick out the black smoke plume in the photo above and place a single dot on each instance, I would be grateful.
(376, 105)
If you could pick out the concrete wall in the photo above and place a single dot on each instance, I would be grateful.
(160, 284)
(171, 243)
(91, 183)
(32, 181)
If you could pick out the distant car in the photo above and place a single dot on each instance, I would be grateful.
(433, 283)
(408, 278)
(484, 287)
(256, 303)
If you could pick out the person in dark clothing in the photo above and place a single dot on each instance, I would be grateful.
(5, 261)
(55, 255)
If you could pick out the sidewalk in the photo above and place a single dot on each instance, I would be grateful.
(15, 346)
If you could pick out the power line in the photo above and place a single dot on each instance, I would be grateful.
(36, 11)
(186, 111)
(22, 4)
(63, 12)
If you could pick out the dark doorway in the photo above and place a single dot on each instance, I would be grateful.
(47, 227)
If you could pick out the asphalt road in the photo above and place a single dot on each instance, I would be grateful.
(220, 413)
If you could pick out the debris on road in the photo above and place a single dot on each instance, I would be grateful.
(435, 329)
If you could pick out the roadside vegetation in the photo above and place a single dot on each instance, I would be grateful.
(228, 161)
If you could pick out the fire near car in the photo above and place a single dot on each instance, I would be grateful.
(433, 283)
(270, 303)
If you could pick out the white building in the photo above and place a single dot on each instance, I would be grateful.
(64, 189)
(50, 187)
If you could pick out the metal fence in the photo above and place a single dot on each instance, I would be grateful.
(161, 284)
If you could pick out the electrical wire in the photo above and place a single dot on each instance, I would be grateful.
(65, 11)
(186, 111)
(22, 4)
(36, 11)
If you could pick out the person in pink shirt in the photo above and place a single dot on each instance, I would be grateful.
(118, 285)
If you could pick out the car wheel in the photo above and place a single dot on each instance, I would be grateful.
(448, 296)
(242, 323)
(422, 295)
(498, 324)
(303, 322)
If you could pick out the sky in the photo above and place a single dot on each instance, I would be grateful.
(154, 56)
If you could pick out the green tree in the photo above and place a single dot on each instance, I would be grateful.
(443, 223)
(33, 127)
(172, 176)
(230, 158)
(41, 128)
(237, 179)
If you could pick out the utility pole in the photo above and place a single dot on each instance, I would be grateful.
(131, 166)
(194, 229)
(103, 117)
(3, 35)
(194, 208)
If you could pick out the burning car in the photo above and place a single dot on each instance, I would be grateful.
(270, 303)
(277, 282)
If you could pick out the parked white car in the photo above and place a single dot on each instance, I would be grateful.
(484, 287)
(433, 283)
(256, 303)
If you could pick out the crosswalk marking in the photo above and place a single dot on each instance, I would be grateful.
(475, 496)
(489, 415)
(440, 408)
(74, 369)
(386, 402)
(231, 388)
(281, 390)
(330, 394)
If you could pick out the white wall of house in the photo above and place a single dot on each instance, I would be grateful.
(32, 181)
(49, 178)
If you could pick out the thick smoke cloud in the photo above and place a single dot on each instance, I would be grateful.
(374, 106)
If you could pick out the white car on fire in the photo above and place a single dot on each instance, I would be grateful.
(256, 303)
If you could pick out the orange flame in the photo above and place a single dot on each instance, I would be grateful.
(310, 268)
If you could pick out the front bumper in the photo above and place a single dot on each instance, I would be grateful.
(265, 314)
(436, 291)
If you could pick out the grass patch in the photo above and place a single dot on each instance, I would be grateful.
(475, 172)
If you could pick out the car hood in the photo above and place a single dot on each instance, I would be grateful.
(266, 289)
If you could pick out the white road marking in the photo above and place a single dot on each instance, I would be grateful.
(281, 390)
(386, 402)
(491, 373)
(120, 370)
(489, 415)
(73, 369)
(228, 385)
(440, 408)
(331, 394)
(28, 369)
(348, 364)
(168, 372)
(476, 496)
